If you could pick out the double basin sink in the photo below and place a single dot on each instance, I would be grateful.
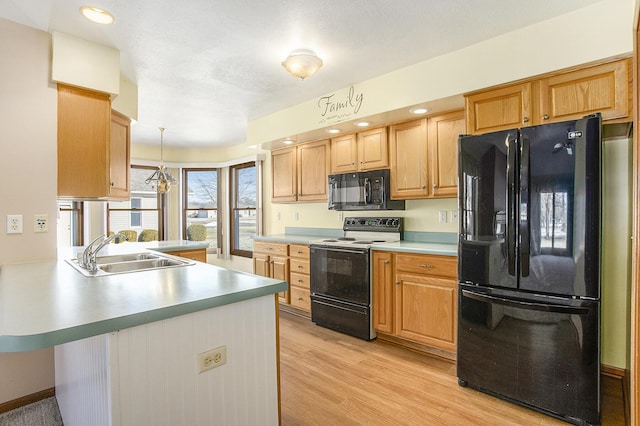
(126, 263)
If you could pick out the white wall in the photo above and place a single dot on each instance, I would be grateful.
(28, 169)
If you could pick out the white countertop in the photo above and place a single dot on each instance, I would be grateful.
(46, 303)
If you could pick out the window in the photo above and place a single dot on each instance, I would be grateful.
(70, 223)
(142, 211)
(243, 208)
(200, 205)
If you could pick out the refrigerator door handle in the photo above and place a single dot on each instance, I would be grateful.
(529, 305)
(511, 205)
(525, 227)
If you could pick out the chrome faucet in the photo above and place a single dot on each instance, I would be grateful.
(89, 254)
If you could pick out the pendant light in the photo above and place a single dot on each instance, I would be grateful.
(161, 176)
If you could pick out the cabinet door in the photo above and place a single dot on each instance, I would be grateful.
(602, 88)
(119, 163)
(408, 147)
(373, 149)
(313, 170)
(84, 119)
(199, 255)
(280, 271)
(499, 109)
(284, 180)
(344, 154)
(443, 132)
(426, 309)
(261, 263)
(382, 304)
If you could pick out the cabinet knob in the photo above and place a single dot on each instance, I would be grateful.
(386, 262)
(397, 282)
(300, 281)
(435, 186)
(299, 266)
(353, 162)
(423, 186)
(525, 120)
(300, 298)
(113, 184)
(545, 117)
(426, 265)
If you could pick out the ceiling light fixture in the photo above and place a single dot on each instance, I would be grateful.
(418, 111)
(334, 131)
(97, 15)
(287, 141)
(302, 63)
(362, 123)
(161, 176)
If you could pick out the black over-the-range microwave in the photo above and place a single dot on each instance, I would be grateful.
(369, 190)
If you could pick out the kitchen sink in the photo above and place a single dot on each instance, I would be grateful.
(127, 263)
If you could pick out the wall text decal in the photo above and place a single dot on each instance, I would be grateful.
(334, 109)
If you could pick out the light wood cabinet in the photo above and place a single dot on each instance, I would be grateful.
(199, 255)
(300, 173)
(270, 259)
(443, 132)
(560, 96)
(408, 154)
(93, 146)
(415, 298)
(368, 150)
(299, 276)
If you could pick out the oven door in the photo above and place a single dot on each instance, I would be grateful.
(340, 273)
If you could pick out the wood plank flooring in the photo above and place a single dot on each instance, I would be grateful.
(328, 378)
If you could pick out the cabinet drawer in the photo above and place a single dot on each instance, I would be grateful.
(199, 255)
(271, 248)
(299, 266)
(299, 250)
(299, 280)
(300, 298)
(445, 266)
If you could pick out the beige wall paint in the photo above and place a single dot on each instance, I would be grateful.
(616, 250)
(28, 104)
(595, 32)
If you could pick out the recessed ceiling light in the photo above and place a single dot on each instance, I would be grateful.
(362, 123)
(418, 110)
(97, 15)
(333, 131)
(287, 142)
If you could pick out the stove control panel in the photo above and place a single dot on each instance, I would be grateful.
(377, 224)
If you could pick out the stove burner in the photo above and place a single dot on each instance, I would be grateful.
(346, 239)
(329, 241)
(363, 242)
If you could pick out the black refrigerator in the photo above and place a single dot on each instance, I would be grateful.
(529, 266)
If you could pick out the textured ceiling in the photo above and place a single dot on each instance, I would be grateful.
(204, 68)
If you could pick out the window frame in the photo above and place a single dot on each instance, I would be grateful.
(233, 208)
(185, 207)
(160, 203)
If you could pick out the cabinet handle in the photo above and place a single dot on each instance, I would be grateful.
(397, 282)
(423, 265)
(423, 187)
(300, 281)
(300, 298)
(435, 186)
(545, 117)
(525, 120)
(386, 262)
(299, 266)
(113, 184)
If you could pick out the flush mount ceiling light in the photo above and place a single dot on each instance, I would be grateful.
(161, 176)
(302, 63)
(97, 15)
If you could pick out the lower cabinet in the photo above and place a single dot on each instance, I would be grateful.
(415, 298)
(272, 260)
(299, 276)
(199, 255)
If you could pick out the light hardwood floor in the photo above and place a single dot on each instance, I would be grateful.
(328, 378)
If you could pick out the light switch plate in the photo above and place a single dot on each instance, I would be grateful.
(442, 216)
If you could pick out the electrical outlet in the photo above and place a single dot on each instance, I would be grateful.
(454, 216)
(278, 215)
(340, 216)
(296, 216)
(212, 358)
(40, 223)
(442, 216)
(14, 224)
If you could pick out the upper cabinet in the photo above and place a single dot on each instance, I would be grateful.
(604, 88)
(424, 156)
(366, 150)
(300, 173)
(443, 131)
(408, 149)
(93, 146)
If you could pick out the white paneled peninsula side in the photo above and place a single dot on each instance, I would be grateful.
(127, 345)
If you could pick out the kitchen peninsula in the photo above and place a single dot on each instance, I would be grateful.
(127, 344)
